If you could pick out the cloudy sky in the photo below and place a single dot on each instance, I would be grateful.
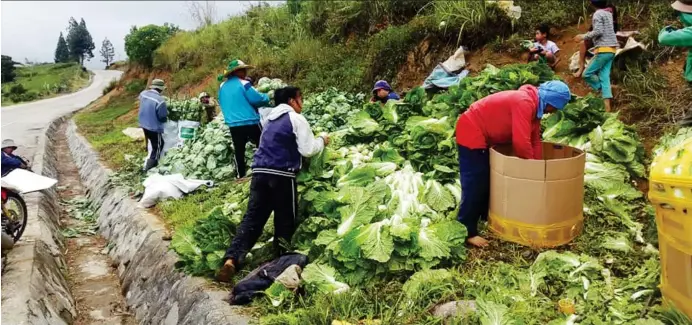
(30, 29)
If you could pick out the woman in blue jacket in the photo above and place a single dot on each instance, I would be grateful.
(239, 102)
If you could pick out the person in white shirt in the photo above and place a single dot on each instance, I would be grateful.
(544, 50)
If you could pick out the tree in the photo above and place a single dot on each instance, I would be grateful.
(141, 43)
(202, 13)
(79, 41)
(107, 52)
(7, 68)
(62, 53)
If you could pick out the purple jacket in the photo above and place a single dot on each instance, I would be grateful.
(286, 138)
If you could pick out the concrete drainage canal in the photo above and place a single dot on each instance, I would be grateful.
(91, 277)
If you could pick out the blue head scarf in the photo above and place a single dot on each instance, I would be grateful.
(554, 93)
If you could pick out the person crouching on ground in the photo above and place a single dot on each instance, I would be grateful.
(152, 114)
(382, 92)
(239, 102)
(544, 50)
(597, 74)
(512, 116)
(286, 138)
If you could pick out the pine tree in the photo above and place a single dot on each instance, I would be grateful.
(79, 41)
(107, 52)
(62, 53)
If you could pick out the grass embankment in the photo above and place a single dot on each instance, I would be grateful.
(43, 81)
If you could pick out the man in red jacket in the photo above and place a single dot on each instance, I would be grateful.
(512, 116)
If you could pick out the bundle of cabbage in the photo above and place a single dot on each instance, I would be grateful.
(268, 86)
(184, 110)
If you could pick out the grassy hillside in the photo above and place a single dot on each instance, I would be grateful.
(42, 81)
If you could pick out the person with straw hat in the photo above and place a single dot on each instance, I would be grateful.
(10, 161)
(239, 103)
(680, 37)
(152, 114)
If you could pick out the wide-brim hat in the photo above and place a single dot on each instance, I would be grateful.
(158, 84)
(202, 95)
(8, 143)
(683, 6)
(236, 65)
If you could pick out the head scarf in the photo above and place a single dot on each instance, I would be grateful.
(554, 93)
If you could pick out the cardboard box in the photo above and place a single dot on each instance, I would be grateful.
(537, 202)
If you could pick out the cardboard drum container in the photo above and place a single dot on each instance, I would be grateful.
(538, 203)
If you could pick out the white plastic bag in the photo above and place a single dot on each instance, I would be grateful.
(170, 136)
(187, 130)
(23, 181)
(159, 187)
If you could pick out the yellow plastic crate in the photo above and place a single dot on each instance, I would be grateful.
(676, 274)
(670, 191)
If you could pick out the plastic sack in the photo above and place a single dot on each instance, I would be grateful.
(134, 133)
(442, 78)
(23, 181)
(187, 130)
(170, 137)
(159, 187)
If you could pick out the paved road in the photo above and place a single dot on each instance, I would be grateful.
(24, 123)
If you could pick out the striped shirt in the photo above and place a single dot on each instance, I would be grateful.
(603, 33)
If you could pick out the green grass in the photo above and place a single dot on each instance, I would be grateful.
(190, 208)
(45, 80)
(103, 128)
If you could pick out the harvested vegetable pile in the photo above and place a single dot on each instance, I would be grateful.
(378, 209)
(184, 109)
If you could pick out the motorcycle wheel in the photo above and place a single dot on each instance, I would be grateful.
(18, 217)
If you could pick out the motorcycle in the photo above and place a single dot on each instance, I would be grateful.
(14, 211)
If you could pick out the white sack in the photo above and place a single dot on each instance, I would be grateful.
(159, 187)
(134, 133)
(24, 181)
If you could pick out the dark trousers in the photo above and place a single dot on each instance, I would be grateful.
(240, 135)
(155, 140)
(474, 170)
(268, 193)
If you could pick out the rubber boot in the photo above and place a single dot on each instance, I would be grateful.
(151, 163)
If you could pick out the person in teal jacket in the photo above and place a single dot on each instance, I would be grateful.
(681, 37)
(239, 103)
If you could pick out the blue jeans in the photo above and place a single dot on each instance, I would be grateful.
(597, 74)
(474, 171)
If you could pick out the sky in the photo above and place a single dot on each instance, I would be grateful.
(30, 29)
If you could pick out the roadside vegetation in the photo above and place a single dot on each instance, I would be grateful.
(43, 81)
(318, 45)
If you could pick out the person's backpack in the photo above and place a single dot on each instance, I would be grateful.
(262, 278)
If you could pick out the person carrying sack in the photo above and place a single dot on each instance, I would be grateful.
(152, 114)
(239, 102)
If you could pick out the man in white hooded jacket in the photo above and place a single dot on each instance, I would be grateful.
(286, 138)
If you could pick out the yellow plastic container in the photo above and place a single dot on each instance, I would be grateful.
(676, 274)
(670, 191)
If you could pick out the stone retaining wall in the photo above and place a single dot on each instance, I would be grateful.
(154, 290)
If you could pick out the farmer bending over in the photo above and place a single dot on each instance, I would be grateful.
(512, 116)
(544, 50)
(239, 102)
(681, 37)
(286, 138)
(382, 92)
(152, 114)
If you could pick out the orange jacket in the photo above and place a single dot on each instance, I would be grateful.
(504, 117)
